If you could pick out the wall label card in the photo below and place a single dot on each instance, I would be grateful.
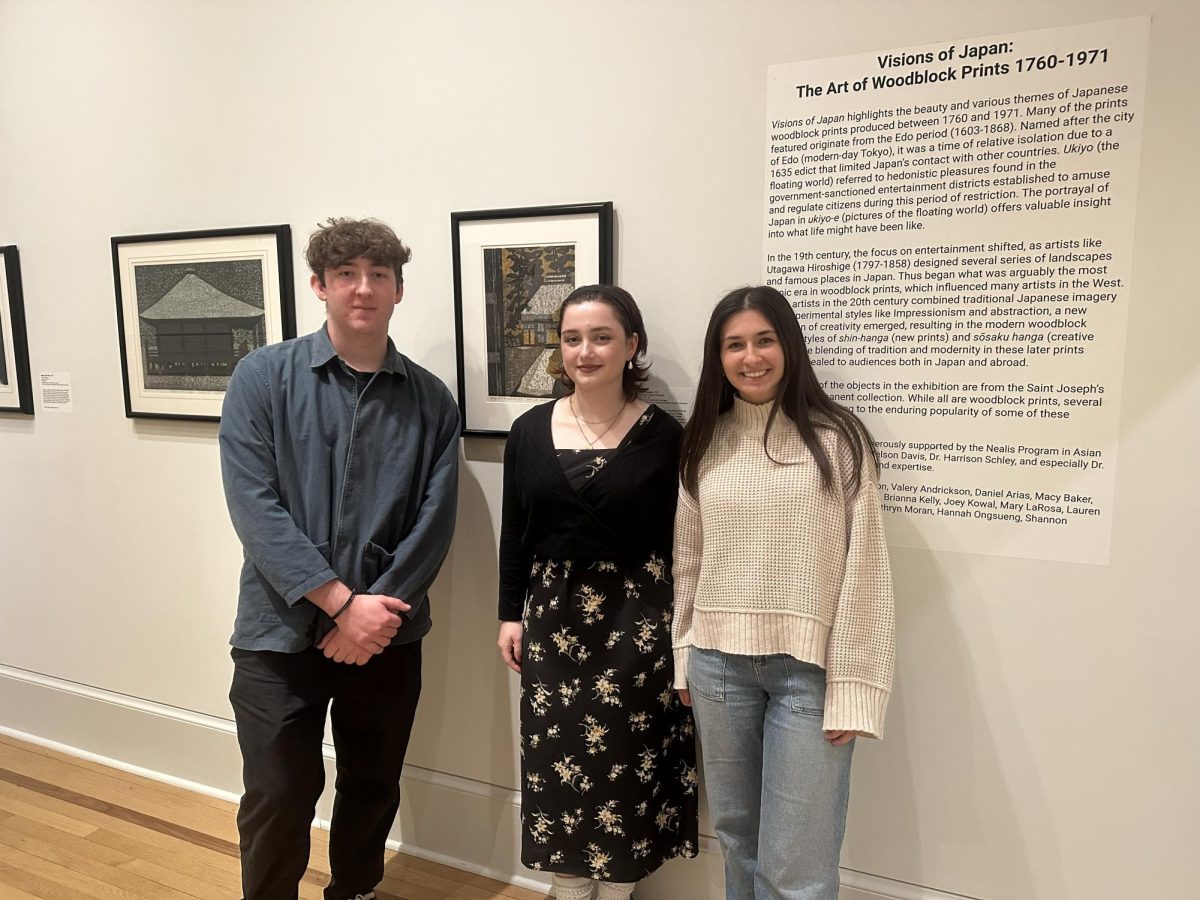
(55, 388)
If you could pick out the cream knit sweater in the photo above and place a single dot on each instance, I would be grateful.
(768, 561)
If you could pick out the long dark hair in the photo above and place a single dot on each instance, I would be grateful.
(625, 308)
(800, 396)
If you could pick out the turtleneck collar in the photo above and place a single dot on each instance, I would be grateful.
(750, 417)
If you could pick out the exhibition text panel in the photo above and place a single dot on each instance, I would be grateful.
(952, 224)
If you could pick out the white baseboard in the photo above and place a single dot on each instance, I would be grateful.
(165, 743)
(445, 818)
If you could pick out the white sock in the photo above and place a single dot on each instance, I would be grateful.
(571, 887)
(615, 890)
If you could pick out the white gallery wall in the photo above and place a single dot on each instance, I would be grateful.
(1043, 736)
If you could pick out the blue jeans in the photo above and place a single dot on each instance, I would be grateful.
(777, 790)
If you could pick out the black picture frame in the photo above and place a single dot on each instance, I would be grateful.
(190, 304)
(512, 267)
(16, 381)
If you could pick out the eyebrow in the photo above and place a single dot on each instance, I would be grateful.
(738, 337)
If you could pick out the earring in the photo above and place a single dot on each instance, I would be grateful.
(629, 364)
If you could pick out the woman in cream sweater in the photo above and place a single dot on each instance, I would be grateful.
(783, 627)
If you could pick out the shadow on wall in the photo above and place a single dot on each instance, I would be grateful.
(939, 712)
(11, 424)
(466, 725)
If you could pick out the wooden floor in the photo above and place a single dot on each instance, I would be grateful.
(73, 829)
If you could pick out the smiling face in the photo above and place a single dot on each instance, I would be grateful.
(360, 297)
(751, 356)
(595, 347)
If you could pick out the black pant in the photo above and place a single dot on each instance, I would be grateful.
(279, 703)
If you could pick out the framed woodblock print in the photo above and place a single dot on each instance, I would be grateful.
(16, 385)
(190, 305)
(512, 270)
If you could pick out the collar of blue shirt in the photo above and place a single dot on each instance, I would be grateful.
(323, 352)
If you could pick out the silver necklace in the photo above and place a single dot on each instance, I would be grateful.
(591, 445)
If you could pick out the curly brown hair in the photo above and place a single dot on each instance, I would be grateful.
(340, 240)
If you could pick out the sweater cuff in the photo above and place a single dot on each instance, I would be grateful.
(855, 706)
(681, 664)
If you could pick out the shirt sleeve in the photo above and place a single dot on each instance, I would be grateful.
(418, 557)
(279, 550)
(862, 640)
(688, 551)
(515, 558)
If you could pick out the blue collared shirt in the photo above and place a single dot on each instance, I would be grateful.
(328, 476)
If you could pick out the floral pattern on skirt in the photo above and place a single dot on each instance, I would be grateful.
(608, 757)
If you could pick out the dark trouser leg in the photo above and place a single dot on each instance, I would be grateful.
(279, 705)
(372, 715)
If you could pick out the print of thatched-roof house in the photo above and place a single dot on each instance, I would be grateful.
(196, 329)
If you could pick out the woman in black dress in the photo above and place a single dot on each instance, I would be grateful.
(608, 761)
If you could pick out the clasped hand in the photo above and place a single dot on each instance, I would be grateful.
(364, 629)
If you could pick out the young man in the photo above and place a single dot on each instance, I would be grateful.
(340, 463)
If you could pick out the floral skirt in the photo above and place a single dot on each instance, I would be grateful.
(608, 756)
